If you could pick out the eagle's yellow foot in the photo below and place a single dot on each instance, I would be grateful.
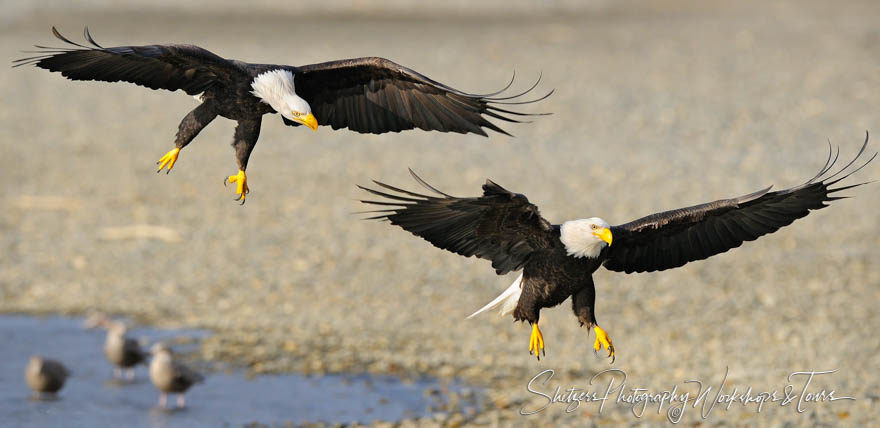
(242, 188)
(168, 160)
(602, 339)
(536, 342)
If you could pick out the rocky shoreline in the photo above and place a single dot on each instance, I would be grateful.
(652, 110)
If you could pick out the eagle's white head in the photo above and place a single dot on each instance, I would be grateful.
(275, 87)
(586, 237)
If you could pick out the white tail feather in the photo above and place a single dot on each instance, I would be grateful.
(508, 298)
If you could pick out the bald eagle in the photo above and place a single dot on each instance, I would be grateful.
(557, 260)
(366, 95)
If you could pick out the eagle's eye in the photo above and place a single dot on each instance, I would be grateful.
(594, 227)
(296, 113)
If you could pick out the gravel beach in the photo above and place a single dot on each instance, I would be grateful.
(658, 105)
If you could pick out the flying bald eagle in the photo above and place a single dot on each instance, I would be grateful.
(557, 260)
(367, 95)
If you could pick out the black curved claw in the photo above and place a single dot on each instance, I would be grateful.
(224, 181)
(613, 357)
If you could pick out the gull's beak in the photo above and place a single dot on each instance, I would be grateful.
(309, 121)
(604, 234)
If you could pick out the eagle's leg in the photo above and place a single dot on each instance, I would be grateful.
(536, 342)
(241, 188)
(189, 127)
(528, 309)
(602, 339)
(246, 134)
(583, 304)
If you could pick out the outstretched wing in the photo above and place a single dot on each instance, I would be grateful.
(500, 226)
(672, 238)
(375, 95)
(170, 67)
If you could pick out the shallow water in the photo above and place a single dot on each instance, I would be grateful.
(91, 397)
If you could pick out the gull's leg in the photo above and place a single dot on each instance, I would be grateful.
(189, 127)
(181, 402)
(246, 134)
(163, 400)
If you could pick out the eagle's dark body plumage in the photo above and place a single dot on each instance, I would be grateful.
(507, 229)
(550, 276)
(366, 95)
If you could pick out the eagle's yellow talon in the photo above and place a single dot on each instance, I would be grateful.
(241, 185)
(536, 342)
(169, 159)
(602, 339)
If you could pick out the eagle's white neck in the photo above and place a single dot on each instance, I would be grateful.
(276, 88)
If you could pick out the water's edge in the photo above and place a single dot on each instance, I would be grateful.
(92, 397)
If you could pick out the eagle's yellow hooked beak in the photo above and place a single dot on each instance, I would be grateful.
(604, 234)
(309, 121)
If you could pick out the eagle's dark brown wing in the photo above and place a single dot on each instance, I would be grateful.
(500, 226)
(672, 238)
(170, 67)
(375, 95)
